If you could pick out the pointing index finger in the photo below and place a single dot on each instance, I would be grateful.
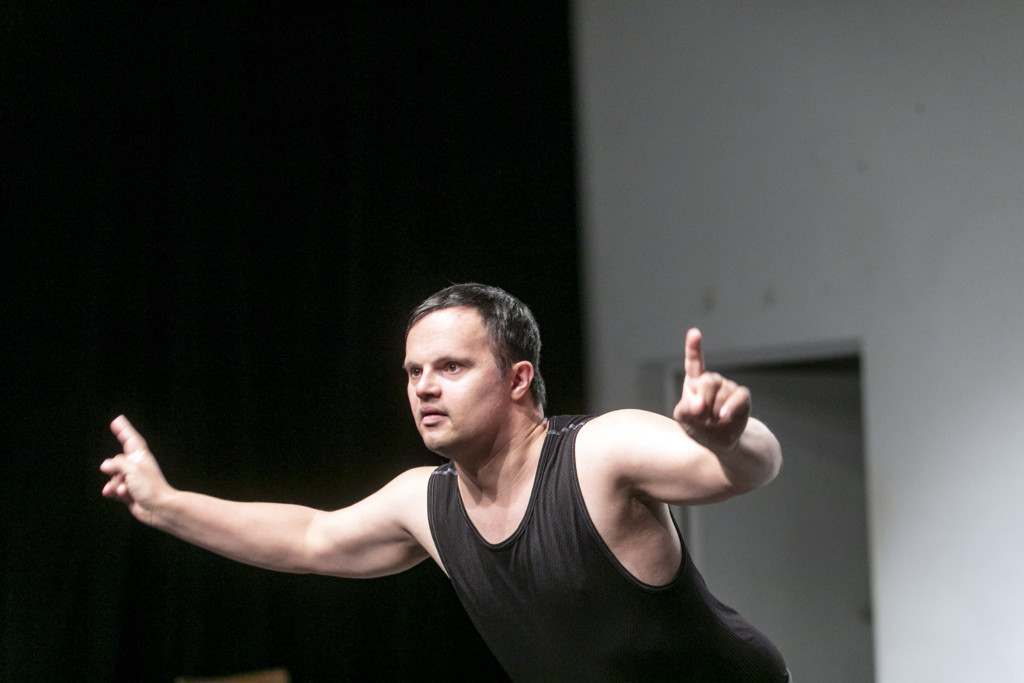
(694, 356)
(131, 440)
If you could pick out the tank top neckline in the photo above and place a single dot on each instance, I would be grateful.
(510, 540)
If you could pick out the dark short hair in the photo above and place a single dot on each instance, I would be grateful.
(510, 325)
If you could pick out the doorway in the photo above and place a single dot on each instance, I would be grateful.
(793, 557)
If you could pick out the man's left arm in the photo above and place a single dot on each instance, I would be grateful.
(711, 449)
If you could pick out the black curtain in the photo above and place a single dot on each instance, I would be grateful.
(215, 219)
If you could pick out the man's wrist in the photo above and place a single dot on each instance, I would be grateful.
(161, 510)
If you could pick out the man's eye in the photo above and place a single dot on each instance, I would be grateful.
(414, 372)
(453, 367)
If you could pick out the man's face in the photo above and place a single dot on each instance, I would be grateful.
(456, 390)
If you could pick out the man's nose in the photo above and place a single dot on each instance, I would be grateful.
(426, 384)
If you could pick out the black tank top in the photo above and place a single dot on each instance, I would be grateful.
(554, 604)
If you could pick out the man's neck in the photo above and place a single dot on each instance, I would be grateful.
(501, 474)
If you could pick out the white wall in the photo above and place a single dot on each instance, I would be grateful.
(794, 173)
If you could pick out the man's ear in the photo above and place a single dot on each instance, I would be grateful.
(522, 378)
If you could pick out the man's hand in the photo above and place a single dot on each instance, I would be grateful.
(713, 410)
(135, 477)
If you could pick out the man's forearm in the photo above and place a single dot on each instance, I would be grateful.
(268, 535)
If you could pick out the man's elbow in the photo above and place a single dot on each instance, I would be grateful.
(770, 460)
(762, 465)
(772, 468)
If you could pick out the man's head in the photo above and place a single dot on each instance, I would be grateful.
(511, 327)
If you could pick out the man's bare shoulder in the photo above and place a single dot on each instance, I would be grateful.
(622, 445)
(408, 496)
(415, 477)
(409, 487)
(626, 428)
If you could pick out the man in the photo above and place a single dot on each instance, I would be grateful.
(555, 532)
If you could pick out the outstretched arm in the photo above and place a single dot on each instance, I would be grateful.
(379, 535)
(711, 450)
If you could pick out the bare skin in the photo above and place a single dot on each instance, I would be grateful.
(631, 465)
(469, 411)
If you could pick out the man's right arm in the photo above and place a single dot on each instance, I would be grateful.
(382, 534)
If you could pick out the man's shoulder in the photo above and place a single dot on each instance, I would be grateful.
(408, 486)
(405, 497)
(623, 422)
(415, 477)
(619, 432)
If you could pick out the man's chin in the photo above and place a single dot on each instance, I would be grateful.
(435, 442)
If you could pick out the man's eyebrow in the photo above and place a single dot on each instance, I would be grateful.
(442, 360)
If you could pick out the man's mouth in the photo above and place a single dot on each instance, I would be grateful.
(431, 416)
